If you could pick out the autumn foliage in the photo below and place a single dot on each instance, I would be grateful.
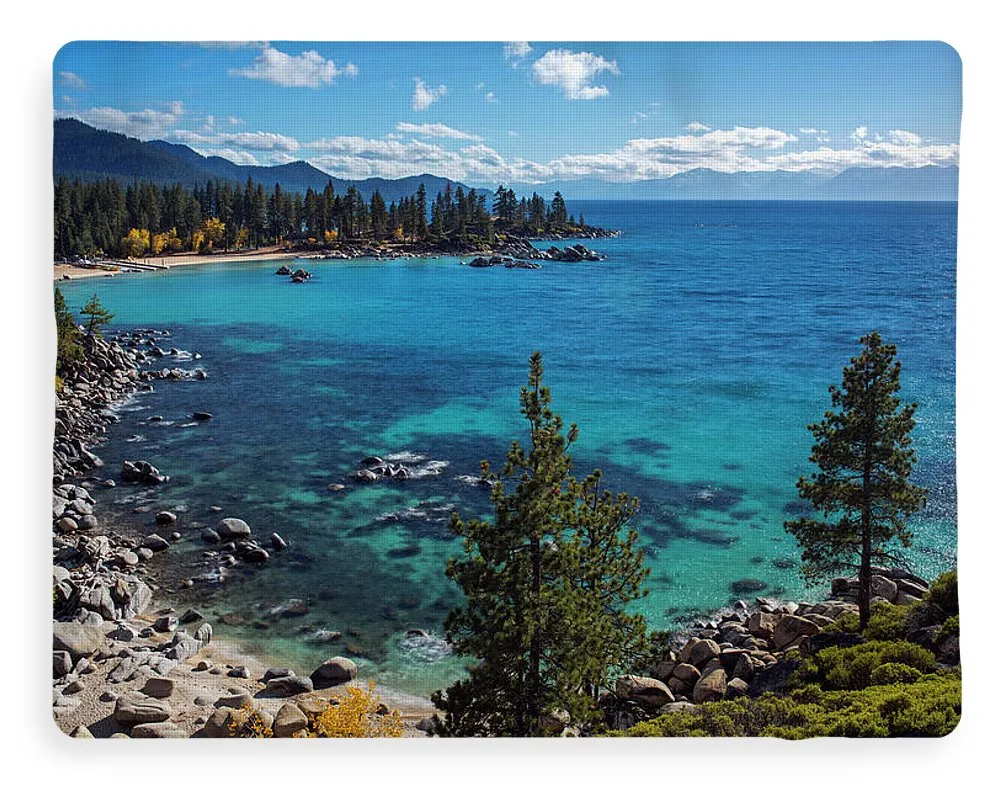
(357, 714)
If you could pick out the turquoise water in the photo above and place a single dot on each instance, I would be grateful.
(692, 359)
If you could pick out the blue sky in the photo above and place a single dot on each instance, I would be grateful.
(521, 112)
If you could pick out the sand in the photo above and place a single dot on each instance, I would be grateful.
(273, 253)
(190, 684)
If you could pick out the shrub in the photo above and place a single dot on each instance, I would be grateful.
(943, 593)
(249, 723)
(929, 707)
(852, 668)
(848, 622)
(888, 622)
(358, 714)
(948, 629)
(894, 673)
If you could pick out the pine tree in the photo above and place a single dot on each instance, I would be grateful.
(98, 316)
(546, 586)
(862, 490)
(379, 216)
(421, 229)
(68, 349)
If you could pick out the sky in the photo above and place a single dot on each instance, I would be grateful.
(526, 112)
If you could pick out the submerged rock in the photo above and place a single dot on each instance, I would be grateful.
(141, 472)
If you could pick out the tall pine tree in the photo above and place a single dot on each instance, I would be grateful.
(862, 491)
(546, 586)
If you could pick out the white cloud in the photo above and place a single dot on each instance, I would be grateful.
(144, 124)
(234, 121)
(308, 70)
(70, 80)
(638, 116)
(424, 96)
(209, 124)
(512, 133)
(903, 151)
(491, 97)
(821, 135)
(435, 130)
(516, 51)
(695, 126)
(252, 141)
(859, 134)
(901, 137)
(573, 72)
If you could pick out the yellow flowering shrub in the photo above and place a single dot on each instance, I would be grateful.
(358, 714)
(248, 723)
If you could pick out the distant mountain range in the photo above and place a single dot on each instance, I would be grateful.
(81, 151)
(856, 184)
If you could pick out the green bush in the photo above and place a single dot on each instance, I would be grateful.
(931, 706)
(948, 629)
(894, 673)
(848, 622)
(887, 622)
(943, 593)
(852, 668)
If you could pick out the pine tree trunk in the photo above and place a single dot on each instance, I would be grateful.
(535, 659)
(865, 570)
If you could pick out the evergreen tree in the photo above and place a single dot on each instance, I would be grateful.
(97, 315)
(68, 348)
(546, 584)
(421, 212)
(379, 216)
(559, 216)
(862, 490)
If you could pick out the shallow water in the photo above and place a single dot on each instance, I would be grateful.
(692, 358)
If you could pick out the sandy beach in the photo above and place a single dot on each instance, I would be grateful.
(199, 683)
(272, 253)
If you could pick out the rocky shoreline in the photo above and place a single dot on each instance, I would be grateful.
(510, 246)
(749, 650)
(124, 662)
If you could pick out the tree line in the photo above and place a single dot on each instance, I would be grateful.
(140, 218)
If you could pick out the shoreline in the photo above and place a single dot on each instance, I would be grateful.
(118, 636)
(516, 247)
(64, 271)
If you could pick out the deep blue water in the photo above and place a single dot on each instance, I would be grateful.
(692, 359)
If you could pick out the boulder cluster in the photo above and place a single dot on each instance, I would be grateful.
(234, 543)
(106, 374)
(374, 468)
(744, 650)
(522, 248)
(297, 275)
(482, 262)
